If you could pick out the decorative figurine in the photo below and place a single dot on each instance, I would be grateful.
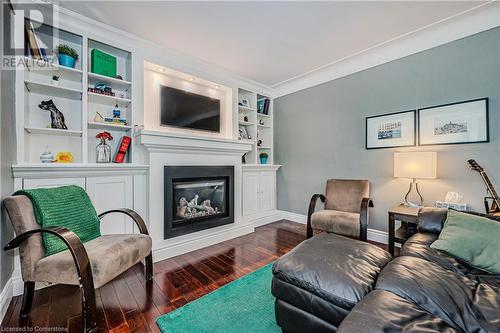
(116, 112)
(245, 119)
(56, 116)
(64, 157)
(261, 122)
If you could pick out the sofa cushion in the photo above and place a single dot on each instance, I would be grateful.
(109, 255)
(338, 269)
(462, 302)
(342, 223)
(381, 311)
(473, 239)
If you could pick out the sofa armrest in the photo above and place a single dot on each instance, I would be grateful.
(366, 203)
(431, 219)
(132, 214)
(312, 207)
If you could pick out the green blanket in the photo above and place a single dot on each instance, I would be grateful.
(66, 206)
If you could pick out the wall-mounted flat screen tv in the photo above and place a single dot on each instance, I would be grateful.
(184, 109)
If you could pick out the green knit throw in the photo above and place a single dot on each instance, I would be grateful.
(65, 206)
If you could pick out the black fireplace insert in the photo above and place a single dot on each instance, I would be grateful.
(197, 198)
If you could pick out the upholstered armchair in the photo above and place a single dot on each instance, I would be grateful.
(345, 211)
(89, 265)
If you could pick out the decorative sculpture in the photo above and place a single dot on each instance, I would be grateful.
(56, 116)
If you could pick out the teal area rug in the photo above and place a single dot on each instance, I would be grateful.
(244, 305)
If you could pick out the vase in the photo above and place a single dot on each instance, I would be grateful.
(66, 61)
(103, 152)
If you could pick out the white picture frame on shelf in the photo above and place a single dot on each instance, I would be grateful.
(242, 133)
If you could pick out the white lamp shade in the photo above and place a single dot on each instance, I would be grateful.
(415, 164)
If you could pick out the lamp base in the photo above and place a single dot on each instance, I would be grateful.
(407, 200)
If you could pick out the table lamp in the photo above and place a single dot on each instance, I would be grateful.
(415, 165)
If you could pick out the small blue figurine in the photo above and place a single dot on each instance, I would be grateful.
(116, 112)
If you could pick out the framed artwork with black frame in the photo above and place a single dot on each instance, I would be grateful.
(391, 130)
(454, 123)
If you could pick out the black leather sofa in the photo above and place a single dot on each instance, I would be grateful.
(353, 287)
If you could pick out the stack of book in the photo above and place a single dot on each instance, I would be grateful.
(263, 105)
(35, 47)
(115, 121)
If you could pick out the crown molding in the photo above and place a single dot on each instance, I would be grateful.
(481, 18)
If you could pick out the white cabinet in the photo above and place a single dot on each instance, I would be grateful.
(259, 189)
(52, 182)
(108, 193)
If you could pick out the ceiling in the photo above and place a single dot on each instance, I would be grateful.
(269, 42)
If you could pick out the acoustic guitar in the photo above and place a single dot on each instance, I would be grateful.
(494, 208)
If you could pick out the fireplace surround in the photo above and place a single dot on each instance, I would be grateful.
(197, 198)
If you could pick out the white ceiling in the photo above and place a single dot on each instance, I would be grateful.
(269, 42)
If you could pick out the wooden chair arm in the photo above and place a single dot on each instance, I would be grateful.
(82, 264)
(132, 214)
(363, 218)
(312, 207)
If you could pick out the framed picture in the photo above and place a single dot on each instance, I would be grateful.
(391, 130)
(462, 122)
(242, 131)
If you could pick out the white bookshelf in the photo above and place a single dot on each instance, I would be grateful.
(71, 96)
(259, 126)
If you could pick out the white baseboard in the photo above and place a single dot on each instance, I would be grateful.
(178, 248)
(5, 298)
(373, 234)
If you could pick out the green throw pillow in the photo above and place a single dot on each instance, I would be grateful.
(66, 206)
(471, 238)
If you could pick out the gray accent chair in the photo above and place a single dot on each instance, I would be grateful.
(89, 265)
(345, 211)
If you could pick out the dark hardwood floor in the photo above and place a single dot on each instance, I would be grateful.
(129, 304)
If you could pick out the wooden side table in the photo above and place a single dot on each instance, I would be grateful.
(408, 218)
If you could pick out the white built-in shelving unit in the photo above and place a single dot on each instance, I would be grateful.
(259, 126)
(72, 98)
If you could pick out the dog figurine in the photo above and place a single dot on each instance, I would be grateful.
(56, 116)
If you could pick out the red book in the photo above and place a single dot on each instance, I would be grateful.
(122, 149)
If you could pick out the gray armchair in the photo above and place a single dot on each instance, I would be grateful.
(346, 209)
(89, 265)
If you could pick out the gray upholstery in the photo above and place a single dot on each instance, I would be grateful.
(346, 194)
(109, 255)
(342, 207)
(342, 223)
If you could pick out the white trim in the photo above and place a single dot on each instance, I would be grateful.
(5, 298)
(195, 243)
(260, 167)
(481, 18)
(156, 141)
(373, 234)
(58, 170)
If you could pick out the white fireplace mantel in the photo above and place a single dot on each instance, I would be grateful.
(157, 141)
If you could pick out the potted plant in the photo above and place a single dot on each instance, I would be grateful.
(263, 158)
(67, 55)
(103, 150)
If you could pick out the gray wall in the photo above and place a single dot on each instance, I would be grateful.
(7, 158)
(320, 131)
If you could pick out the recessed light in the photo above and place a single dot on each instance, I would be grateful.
(160, 69)
(217, 86)
(191, 78)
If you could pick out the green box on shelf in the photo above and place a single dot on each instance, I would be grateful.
(102, 63)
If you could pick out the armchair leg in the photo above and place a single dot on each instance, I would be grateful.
(149, 267)
(29, 292)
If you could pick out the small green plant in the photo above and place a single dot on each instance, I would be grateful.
(263, 155)
(68, 50)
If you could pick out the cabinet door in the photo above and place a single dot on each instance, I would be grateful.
(250, 193)
(109, 193)
(267, 190)
(52, 182)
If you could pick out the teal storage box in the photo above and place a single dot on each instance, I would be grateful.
(102, 63)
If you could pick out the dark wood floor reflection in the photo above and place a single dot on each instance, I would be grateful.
(129, 304)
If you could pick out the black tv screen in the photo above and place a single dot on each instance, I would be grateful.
(180, 108)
